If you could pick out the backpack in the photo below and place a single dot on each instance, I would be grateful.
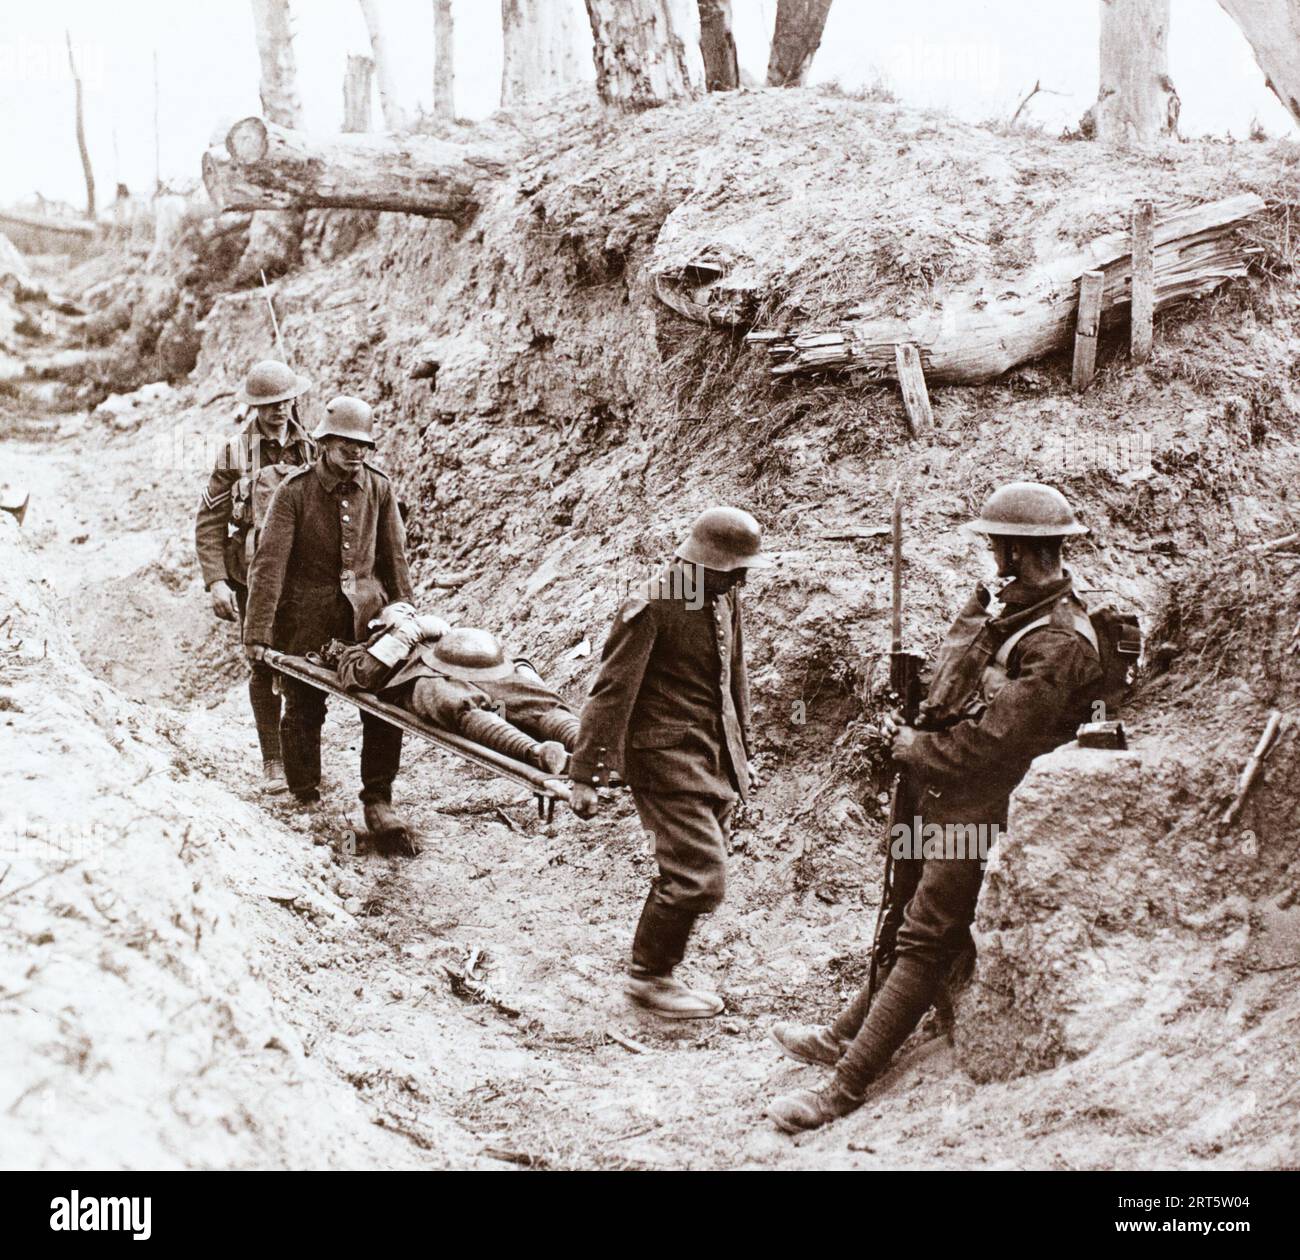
(1116, 638)
(250, 501)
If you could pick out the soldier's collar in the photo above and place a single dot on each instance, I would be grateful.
(327, 479)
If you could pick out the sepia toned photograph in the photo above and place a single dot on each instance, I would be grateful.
(650, 586)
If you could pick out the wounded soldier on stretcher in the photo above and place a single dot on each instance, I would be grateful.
(461, 680)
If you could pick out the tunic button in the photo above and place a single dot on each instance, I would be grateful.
(347, 518)
(347, 546)
(345, 503)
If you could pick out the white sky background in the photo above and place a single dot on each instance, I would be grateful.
(975, 57)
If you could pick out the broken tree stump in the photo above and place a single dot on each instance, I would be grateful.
(916, 398)
(1143, 282)
(266, 167)
(979, 334)
(1091, 284)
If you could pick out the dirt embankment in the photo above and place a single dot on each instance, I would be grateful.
(570, 429)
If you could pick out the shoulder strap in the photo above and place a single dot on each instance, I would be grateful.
(1082, 625)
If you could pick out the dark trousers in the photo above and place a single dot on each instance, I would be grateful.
(300, 727)
(263, 698)
(690, 838)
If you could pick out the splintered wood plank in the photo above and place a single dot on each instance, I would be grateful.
(911, 380)
(1143, 282)
(1091, 284)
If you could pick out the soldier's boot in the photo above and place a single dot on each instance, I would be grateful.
(905, 996)
(658, 946)
(493, 731)
(387, 831)
(812, 1108)
(561, 726)
(810, 1043)
(273, 783)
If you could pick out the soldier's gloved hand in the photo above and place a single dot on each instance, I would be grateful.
(583, 800)
(255, 651)
(224, 603)
(755, 773)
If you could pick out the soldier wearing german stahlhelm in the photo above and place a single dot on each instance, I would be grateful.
(670, 711)
(1012, 681)
(332, 555)
(231, 514)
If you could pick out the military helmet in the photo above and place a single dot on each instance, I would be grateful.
(347, 418)
(724, 538)
(1027, 509)
(470, 655)
(271, 382)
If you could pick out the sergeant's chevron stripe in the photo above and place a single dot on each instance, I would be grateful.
(210, 502)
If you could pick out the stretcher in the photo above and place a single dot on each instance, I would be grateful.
(545, 787)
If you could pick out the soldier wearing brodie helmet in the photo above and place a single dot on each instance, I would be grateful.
(670, 710)
(1010, 683)
(230, 516)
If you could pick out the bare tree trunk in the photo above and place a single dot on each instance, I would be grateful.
(394, 114)
(274, 240)
(721, 69)
(265, 167)
(647, 52)
(357, 83)
(81, 134)
(1136, 103)
(1273, 29)
(444, 69)
(798, 34)
(543, 56)
(278, 86)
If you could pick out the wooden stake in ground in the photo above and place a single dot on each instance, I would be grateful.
(81, 133)
(916, 398)
(1254, 764)
(1091, 284)
(1143, 282)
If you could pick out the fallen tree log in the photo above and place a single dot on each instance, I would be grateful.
(265, 167)
(975, 337)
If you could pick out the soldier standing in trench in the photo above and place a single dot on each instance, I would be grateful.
(332, 555)
(1006, 688)
(670, 710)
(223, 527)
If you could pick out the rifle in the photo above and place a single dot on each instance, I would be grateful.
(905, 696)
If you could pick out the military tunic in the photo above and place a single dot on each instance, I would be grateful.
(332, 554)
(670, 711)
(221, 553)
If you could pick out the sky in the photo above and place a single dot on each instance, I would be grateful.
(977, 58)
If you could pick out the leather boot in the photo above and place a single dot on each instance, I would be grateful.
(810, 1043)
(388, 831)
(659, 945)
(812, 1108)
(670, 998)
(272, 783)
